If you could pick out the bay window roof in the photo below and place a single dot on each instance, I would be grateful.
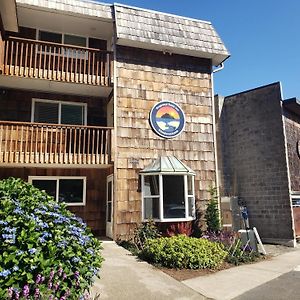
(167, 164)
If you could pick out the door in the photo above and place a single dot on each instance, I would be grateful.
(109, 206)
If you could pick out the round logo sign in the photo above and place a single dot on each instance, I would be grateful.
(167, 119)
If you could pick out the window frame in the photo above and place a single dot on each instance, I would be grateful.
(57, 178)
(62, 36)
(60, 103)
(160, 196)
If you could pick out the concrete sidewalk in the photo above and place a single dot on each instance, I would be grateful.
(231, 283)
(123, 277)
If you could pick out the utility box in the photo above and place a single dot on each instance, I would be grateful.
(248, 235)
(230, 213)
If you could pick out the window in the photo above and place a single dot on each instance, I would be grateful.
(70, 190)
(58, 112)
(168, 197)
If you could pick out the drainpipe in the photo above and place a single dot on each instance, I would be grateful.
(221, 67)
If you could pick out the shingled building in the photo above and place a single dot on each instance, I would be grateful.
(109, 109)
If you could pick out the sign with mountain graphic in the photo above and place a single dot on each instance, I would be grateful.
(167, 119)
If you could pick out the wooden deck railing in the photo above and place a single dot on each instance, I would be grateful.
(58, 62)
(38, 143)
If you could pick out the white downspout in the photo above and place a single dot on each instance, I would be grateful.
(215, 137)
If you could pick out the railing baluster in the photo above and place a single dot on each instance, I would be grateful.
(26, 145)
(31, 72)
(25, 63)
(84, 146)
(97, 147)
(101, 149)
(21, 146)
(21, 72)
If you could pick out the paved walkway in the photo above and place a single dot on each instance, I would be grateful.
(123, 277)
(234, 282)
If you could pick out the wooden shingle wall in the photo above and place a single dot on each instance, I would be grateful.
(145, 78)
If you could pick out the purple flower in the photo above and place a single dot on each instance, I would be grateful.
(26, 291)
(51, 275)
(38, 278)
(56, 285)
(76, 274)
(36, 293)
(10, 292)
(60, 270)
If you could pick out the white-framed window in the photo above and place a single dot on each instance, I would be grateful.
(168, 197)
(58, 112)
(68, 189)
(296, 199)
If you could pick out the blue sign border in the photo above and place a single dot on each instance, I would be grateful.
(157, 129)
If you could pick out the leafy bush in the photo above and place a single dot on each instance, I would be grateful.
(180, 228)
(145, 231)
(212, 212)
(183, 252)
(40, 238)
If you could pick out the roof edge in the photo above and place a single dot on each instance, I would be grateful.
(254, 89)
(163, 13)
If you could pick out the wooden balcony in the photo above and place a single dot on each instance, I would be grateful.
(37, 144)
(57, 62)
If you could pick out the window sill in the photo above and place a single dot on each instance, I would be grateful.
(171, 220)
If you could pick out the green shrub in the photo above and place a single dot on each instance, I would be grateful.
(40, 237)
(183, 252)
(212, 212)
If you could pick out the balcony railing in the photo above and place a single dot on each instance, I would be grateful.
(38, 143)
(58, 62)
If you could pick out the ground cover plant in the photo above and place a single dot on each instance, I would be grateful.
(46, 252)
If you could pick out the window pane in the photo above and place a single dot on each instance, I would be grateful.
(72, 114)
(49, 186)
(71, 190)
(151, 185)
(190, 185)
(75, 40)
(46, 112)
(50, 37)
(151, 208)
(173, 196)
(191, 206)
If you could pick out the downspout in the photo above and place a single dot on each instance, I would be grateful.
(115, 109)
(215, 137)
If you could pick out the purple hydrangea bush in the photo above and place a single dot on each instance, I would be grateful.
(46, 252)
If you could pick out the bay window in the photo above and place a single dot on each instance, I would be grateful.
(168, 197)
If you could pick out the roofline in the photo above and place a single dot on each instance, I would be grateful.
(162, 13)
(254, 89)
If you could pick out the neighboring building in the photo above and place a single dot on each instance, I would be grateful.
(78, 82)
(259, 159)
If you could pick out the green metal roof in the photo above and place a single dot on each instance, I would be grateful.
(168, 164)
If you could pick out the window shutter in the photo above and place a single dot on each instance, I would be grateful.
(46, 112)
(72, 114)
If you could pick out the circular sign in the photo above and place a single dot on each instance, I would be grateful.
(167, 119)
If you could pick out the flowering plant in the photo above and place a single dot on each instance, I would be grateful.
(40, 237)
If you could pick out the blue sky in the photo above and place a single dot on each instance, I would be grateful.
(262, 36)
